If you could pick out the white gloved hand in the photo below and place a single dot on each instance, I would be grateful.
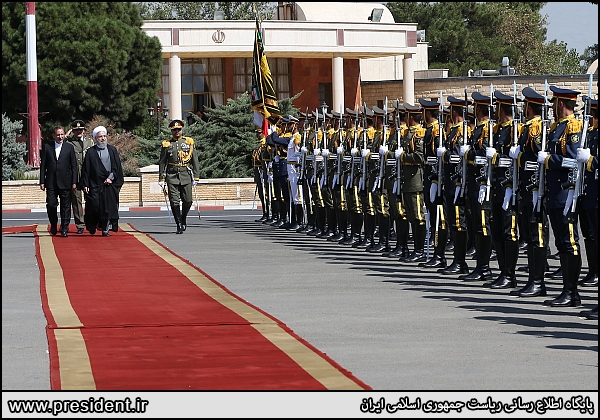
(514, 152)
(456, 193)
(583, 155)
(535, 195)
(304, 149)
(482, 191)
(433, 192)
(398, 152)
(569, 202)
(365, 152)
(194, 183)
(325, 152)
(161, 184)
(383, 150)
(507, 197)
(270, 178)
(354, 151)
(317, 152)
(464, 149)
(270, 165)
(440, 151)
(542, 157)
(340, 150)
(490, 152)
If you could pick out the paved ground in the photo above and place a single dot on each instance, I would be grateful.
(393, 325)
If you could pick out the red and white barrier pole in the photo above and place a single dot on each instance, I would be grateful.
(35, 135)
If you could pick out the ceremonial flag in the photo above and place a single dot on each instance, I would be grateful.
(264, 98)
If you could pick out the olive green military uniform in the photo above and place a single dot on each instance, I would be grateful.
(80, 146)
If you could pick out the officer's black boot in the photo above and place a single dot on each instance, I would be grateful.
(511, 255)
(310, 220)
(177, 217)
(482, 271)
(591, 251)
(439, 252)
(284, 208)
(184, 212)
(418, 254)
(275, 213)
(331, 226)
(357, 226)
(343, 226)
(501, 258)
(384, 235)
(535, 286)
(459, 265)
(393, 253)
(316, 230)
(571, 265)
(367, 240)
(298, 219)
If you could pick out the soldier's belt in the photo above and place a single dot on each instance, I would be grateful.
(504, 162)
(480, 161)
(332, 157)
(432, 160)
(531, 166)
(310, 157)
(292, 163)
(347, 159)
(178, 164)
(319, 158)
(374, 156)
(357, 159)
(454, 159)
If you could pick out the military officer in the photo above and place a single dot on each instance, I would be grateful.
(260, 178)
(81, 144)
(352, 170)
(305, 172)
(178, 166)
(560, 164)
(365, 181)
(293, 167)
(279, 140)
(338, 189)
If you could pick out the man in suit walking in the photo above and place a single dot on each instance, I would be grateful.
(58, 176)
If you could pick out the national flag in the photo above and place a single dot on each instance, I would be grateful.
(264, 97)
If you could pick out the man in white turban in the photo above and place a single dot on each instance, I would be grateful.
(102, 179)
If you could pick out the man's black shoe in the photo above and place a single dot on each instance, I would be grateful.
(64, 234)
(79, 231)
(53, 230)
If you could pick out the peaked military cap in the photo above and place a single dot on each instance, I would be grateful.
(335, 114)
(368, 112)
(378, 111)
(429, 104)
(480, 99)
(458, 102)
(412, 109)
(78, 124)
(352, 113)
(399, 107)
(176, 124)
(568, 94)
(284, 120)
(292, 119)
(504, 99)
(532, 96)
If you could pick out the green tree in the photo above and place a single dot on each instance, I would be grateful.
(234, 10)
(589, 56)
(92, 59)
(13, 153)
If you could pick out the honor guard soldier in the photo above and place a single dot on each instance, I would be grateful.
(305, 172)
(504, 206)
(452, 164)
(338, 189)
(560, 163)
(365, 182)
(536, 235)
(588, 207)
(81, 144)
(431, 111)
(412, 157)
(280, 140)
(293, 167)
(588, 156)
(178, 166)
(351, 161)
(260, 176)
(329, 165)
(316, 142)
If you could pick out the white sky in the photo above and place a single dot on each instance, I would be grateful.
(576, 24)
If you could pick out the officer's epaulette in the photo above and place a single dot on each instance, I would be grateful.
(189, 140)
(419, 132)
(263, 141)
(535, 128)
(371, 133)
(486, 131)
(574, 126)
(320, 135)
(297, 138)
(166, 143)
(286, 135)
(520, 128)
(435, 131)
(330, 132)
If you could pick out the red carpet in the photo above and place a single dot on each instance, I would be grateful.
(125, 313)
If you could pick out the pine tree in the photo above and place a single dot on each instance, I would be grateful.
(13, 153)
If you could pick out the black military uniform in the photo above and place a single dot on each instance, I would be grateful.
(305, 173)
(281, 195)
(364, 192)
(178, 166)
(260, 176)
(338, 190)
(560, 164)
(351, 164)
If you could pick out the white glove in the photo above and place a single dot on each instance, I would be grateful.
(583, 155)
(161, 184)
(383, 150)
(325, 152)
(569, 202)
(365, 152)
(194, 183)
(456, 193)
(270, 165)
(490, 152)
(354, 151)
(535, 195)
(340, 150)
(440, 151)
(433, 192)
(304, 149)
(481, 197)
(514, 152)
(542, 157)
(507, 197)
(464, 149)
(398, 152)
(317, 152)
(270, 178)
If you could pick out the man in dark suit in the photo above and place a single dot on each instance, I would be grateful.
(58, 176)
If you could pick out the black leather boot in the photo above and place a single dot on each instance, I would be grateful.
(319, 222)
(184, 212)
(482, 271)
(355, 227)
(331, 226)
(177, 217)
(297, 217)
(459, 265)
(591, 314)
(439, 252)
(591, 251)
(284, 209)
(511, 254)
(384, 235)
(419, 244)
(367, 240)
(536, 257)
(569, 296)
(275, 212)
(343, 217)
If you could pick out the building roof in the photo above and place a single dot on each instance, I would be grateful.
(341, 12)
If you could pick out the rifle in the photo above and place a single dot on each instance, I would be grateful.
(325, 147)
(515, 142)
(363, 181)
(488, 185)
(338, 176)
(350, 180)
(463, 174)
(440, 175)
(316, 151)
(382, 160)
(541, 181)
(302, 176)
(579, 174)
(397, 183)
